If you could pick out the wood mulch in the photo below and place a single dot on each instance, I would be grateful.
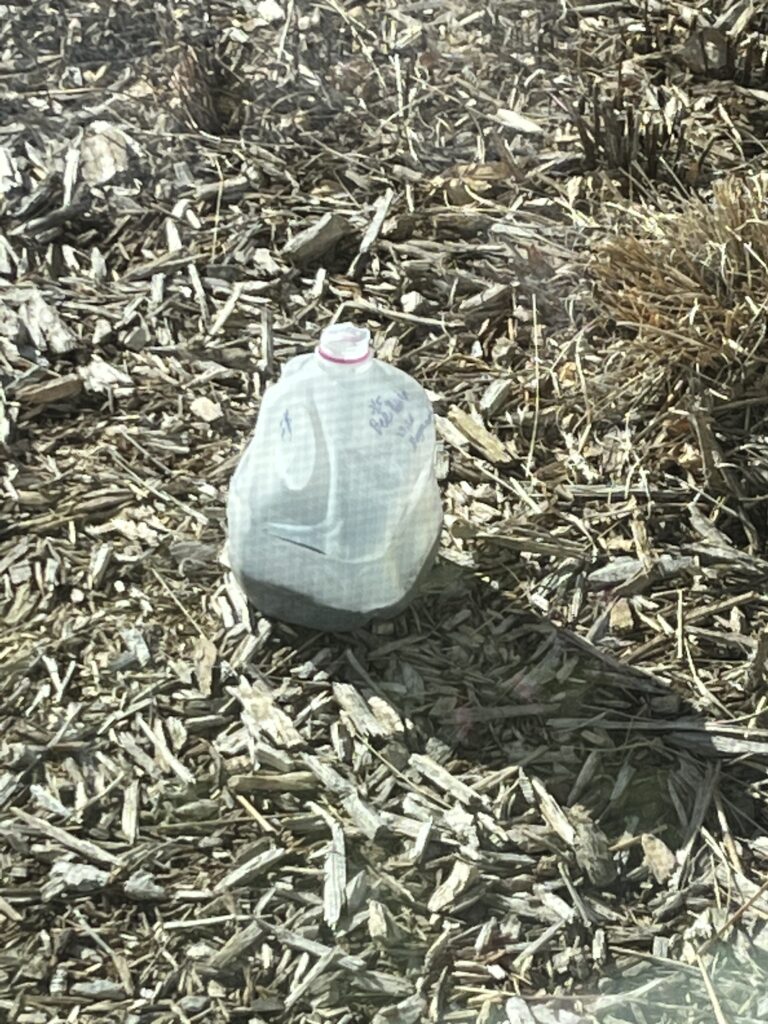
(538, 796)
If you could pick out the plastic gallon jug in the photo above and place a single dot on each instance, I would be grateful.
(334, 511)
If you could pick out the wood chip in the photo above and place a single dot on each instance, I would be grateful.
(462, 876)
(271, 782)
(73, 879)
(591, 847)
(511, 119)
(659, 858)
(87, 849)
(360, 716)
(46, 327)
(390, 722)
(381, 209)
(315, 241)
(105, 152)
(236, 948)
(364, 817)
(205, 659)
(261, 715)
(328, 777)
(335, 870)
(495, 396)
(479, 437)
(309, 980)
(408, 1011)
(57, 390)
(518, 1012)
(443, 779)
(206, 410)
(492, 301)
(245, 873)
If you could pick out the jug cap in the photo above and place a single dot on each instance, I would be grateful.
(345, 344)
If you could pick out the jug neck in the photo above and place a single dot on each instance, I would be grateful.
(344, 346)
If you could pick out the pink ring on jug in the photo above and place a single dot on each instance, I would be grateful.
(345, 344)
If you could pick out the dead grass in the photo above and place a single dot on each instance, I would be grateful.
(687, 292)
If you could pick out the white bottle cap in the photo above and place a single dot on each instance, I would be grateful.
(346, 344)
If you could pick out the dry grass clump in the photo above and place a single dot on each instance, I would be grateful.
(643, 143)
(687, 291)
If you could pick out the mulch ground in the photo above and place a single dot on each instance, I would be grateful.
(539, 795)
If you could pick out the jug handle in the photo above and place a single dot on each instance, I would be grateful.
(297, 447)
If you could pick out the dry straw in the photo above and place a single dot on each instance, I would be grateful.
(687, 291)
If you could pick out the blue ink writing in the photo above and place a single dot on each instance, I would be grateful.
(382, 411)
(286, 427)
(417, 437)
(406, 426)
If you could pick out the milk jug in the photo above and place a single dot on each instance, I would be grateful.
(334, 511)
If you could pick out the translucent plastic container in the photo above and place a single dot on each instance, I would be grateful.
(334, 510)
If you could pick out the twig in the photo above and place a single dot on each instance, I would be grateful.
(535, 335)
(719, 1015)
(217, 214)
